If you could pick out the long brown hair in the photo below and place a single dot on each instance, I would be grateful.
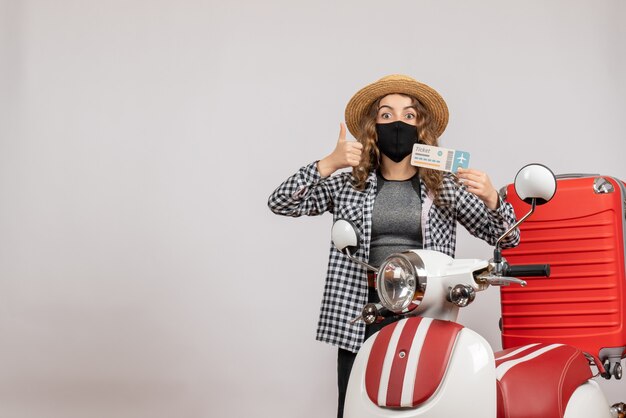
(371, 155)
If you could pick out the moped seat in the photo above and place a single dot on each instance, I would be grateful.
(537, 380)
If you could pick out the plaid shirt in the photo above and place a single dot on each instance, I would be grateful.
(345, 292)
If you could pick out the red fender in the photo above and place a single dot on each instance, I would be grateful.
(408, 361)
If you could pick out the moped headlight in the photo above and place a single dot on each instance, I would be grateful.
(401, 282)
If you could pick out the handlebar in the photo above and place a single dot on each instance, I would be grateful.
(528, 270)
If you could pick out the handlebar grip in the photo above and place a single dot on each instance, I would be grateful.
(528, 270)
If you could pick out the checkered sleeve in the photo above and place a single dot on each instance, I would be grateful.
(482, 222)
(306, 193)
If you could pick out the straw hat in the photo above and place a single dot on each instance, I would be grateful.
(360, 103)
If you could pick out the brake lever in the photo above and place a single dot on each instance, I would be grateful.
(495, 280)
(494, 275)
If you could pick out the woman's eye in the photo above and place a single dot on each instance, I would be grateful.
(385, 115)
(410, 116)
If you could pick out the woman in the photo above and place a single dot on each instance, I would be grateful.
(395, 205)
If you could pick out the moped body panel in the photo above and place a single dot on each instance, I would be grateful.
(467, 387)
(445, 272)
(588, 401)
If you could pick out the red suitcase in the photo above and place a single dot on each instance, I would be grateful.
(580, 233)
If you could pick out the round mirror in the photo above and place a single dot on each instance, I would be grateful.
(344, 236)
(535, 181)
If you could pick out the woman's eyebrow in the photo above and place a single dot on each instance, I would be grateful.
(389, 107)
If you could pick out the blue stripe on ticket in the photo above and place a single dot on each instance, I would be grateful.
(461, 160)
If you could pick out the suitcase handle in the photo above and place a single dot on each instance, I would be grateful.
(528, 270)
(575, 175)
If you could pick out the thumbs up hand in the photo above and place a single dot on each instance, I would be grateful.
(346, 154)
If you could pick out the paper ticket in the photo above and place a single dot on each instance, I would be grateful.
(438, 158)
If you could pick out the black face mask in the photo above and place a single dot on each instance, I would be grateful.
(396, 139)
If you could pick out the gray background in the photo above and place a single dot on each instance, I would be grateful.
(141, 274)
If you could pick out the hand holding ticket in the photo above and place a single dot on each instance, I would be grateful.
(438, 158)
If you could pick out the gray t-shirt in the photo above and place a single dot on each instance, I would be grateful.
(396, 219)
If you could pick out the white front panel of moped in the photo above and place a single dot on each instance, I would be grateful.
(468, 388)
(444, 273)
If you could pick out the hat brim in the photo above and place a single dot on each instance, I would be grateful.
(360, 103)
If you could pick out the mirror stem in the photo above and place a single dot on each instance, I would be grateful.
(356, 260)
(497, 252)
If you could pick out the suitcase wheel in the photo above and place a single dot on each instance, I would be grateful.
(612, 369)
